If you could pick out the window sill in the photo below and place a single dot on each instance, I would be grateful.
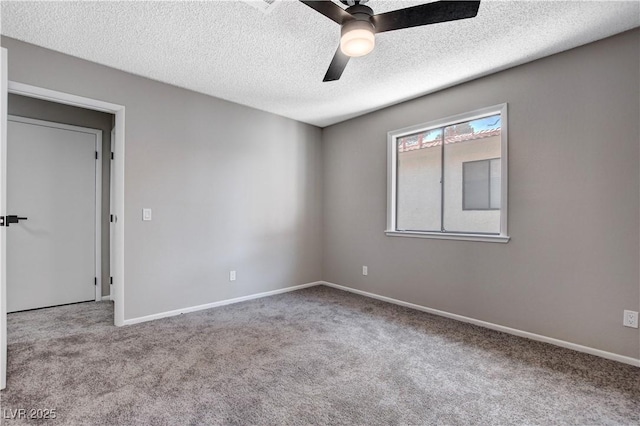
(444, 236)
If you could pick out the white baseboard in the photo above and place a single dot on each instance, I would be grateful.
(497, 327)
(106, 298)
(219, 303)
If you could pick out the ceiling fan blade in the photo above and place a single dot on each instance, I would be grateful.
(338, 64)
(425, 14)
(330, 10)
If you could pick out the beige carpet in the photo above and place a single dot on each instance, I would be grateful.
(314, 356)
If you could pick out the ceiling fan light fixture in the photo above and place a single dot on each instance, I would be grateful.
(357, 39)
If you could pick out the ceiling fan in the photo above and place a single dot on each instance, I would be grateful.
(360, 25)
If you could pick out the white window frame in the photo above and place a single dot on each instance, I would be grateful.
(392, 169)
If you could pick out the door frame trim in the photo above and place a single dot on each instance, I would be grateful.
(97, 231)
(118, 169)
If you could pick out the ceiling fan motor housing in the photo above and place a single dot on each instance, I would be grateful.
(361, 19)
(353, 2)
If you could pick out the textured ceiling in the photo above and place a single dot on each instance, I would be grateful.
(275, 61)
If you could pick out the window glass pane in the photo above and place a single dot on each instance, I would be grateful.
(475, 185)
(470, 146)
(495, 182)
(419, 171)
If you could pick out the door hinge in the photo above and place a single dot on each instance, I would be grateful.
(95, 280)
(96, 155)
(111, 218)
(112, 155)
(110, 280)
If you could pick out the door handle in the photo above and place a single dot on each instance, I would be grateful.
(13, 219)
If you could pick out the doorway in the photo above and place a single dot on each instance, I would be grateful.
(40, 109)
(116, 215)
(117, 205)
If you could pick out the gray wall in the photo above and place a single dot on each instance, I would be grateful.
(58, 113)
(572, 264)
(230, 187)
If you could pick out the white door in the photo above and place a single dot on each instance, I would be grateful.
(51, 181)
(3, 186)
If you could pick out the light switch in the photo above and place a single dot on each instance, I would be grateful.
(146, 214)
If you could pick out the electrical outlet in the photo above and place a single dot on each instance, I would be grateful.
(365, 270)
(630, 319)
(232, 276)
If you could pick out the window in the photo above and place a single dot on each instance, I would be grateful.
(448, 178)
